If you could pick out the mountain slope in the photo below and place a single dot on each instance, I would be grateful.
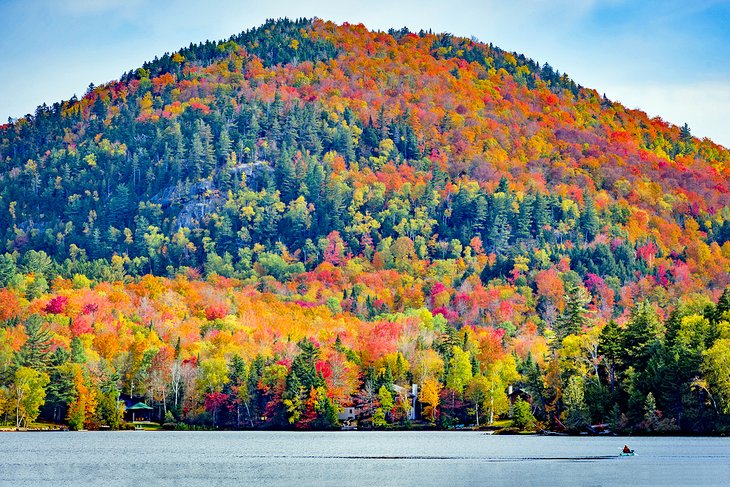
(287, 94)
(407, 198)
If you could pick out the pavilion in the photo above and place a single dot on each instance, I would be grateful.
(140, 412)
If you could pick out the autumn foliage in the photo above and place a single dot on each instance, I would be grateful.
(308, 217)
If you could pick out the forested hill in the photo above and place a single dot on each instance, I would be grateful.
(288, 132)
(412, 205)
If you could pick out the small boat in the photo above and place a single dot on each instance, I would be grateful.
(632, 453)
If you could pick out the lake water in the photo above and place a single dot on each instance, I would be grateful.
(355, 458)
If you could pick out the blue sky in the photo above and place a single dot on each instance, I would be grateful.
(670, 58)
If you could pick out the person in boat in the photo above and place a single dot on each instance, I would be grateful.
(627, 450)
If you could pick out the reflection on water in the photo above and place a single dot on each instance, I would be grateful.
(355, 458)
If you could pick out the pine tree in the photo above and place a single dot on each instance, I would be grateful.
(589, 220)
(609, 345)
(224, 145)
(574, 316)
(523, 230)
(722, 309)
(522, 417)
(685, 133)
(7, 269)
(36, 351)
(642, 335)
(197, 159)
(237, 371)
(498, 234)
(285, 177)
(541, 215)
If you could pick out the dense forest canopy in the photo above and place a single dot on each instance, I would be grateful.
(260, 231)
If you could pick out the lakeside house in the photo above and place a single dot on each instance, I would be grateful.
(350, 414)
(347, 414)
(138, 412)
(514, 393)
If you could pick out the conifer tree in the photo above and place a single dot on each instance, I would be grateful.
(36, 351)
(641, 335)
(574, 316)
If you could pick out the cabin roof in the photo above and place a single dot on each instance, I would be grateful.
(138, 406)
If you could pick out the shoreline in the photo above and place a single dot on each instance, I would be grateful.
(391, 430)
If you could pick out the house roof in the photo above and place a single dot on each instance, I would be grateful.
(138, 406)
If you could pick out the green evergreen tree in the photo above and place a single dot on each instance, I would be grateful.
(609, 345)
(642, 335)
(574, 317)
(589, 222)
(36, 351)
(523, 230)
(522, 417)
(541, 215)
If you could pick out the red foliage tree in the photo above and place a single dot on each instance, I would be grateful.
(57, 305)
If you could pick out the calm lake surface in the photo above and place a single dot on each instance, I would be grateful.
(355, 458)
